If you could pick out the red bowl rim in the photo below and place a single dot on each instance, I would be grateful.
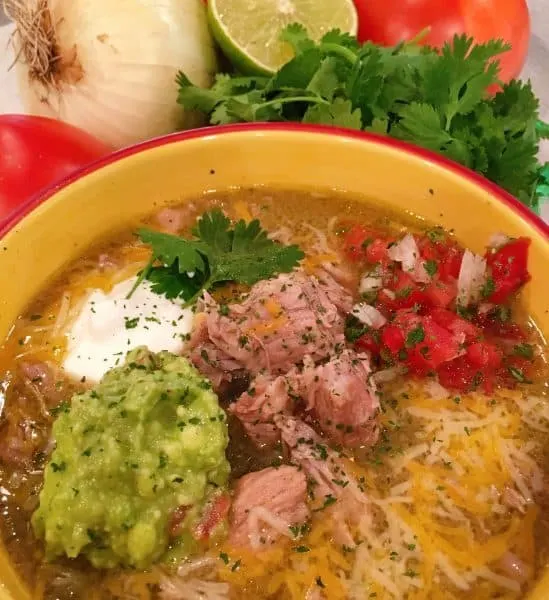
(426, 155)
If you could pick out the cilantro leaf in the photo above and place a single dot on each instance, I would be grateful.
(169, 282)
(325, 81)
(296, 35)
(340, 114)
(169, 250)
(339, 38)
(542, 130)
(194, 97)
(438, 99)
(543, 181)
(183, 268)
(253, 256)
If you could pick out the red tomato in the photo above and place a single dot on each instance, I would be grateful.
(405, 290)
(362, 243)
(428, 344)
(459, 374)
(368, 342)
(213, 514)
(389, 22)
(36, 152)
(393, 339)
(484, 355)
(440, 294)
(509, 269)
(449, 320)
(448, 269)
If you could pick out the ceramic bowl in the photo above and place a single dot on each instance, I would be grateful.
(54, 229)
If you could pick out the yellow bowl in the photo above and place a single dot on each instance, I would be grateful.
(111, 194)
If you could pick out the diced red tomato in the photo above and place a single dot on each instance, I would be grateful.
(368, 343)
(450, 264)
(484, 355)
(176, 519)
(357, 241)
(213, 514)
(407, 293)
(459, 374)
(376, 251)
(439, 346)
(449, 320)
(440, 294)
(392, 338)
(425, 334)
(427, 344)
(429, 250)
(509, 269)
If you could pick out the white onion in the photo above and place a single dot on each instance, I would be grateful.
(497, 240)
(472, 275)
(110, 67)
(370, 283)
(407, 254)
(368, 315)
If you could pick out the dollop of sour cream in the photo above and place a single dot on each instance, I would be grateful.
(109, 325)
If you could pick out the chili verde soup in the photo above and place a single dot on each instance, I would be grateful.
(271, 394)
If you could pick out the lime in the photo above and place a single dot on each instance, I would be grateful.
(248, 31)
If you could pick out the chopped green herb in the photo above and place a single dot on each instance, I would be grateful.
(354, 329)
(410, 573)
(328, 501)
(416, 336)
(431, 267)
(224, 557)
(518, 375)
(436, 234)
(131, 323)
(404, 292)
(63, 407)
(524, 350)
(488, 288)
(302, 549)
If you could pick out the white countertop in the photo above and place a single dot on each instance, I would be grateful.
(536, 68)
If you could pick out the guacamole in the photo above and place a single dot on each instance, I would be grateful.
(149, 438)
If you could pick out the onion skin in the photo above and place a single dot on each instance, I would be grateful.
(115, 66)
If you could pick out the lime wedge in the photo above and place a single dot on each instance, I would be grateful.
(248, 31)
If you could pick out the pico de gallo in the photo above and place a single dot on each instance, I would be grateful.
(439, 310)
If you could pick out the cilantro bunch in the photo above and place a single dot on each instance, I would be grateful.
(435, 99)
(184, 268)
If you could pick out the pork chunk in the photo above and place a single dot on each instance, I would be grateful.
(281, 321)
(266, 504)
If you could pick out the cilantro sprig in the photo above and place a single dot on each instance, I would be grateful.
(184, 268)
(437, 100)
